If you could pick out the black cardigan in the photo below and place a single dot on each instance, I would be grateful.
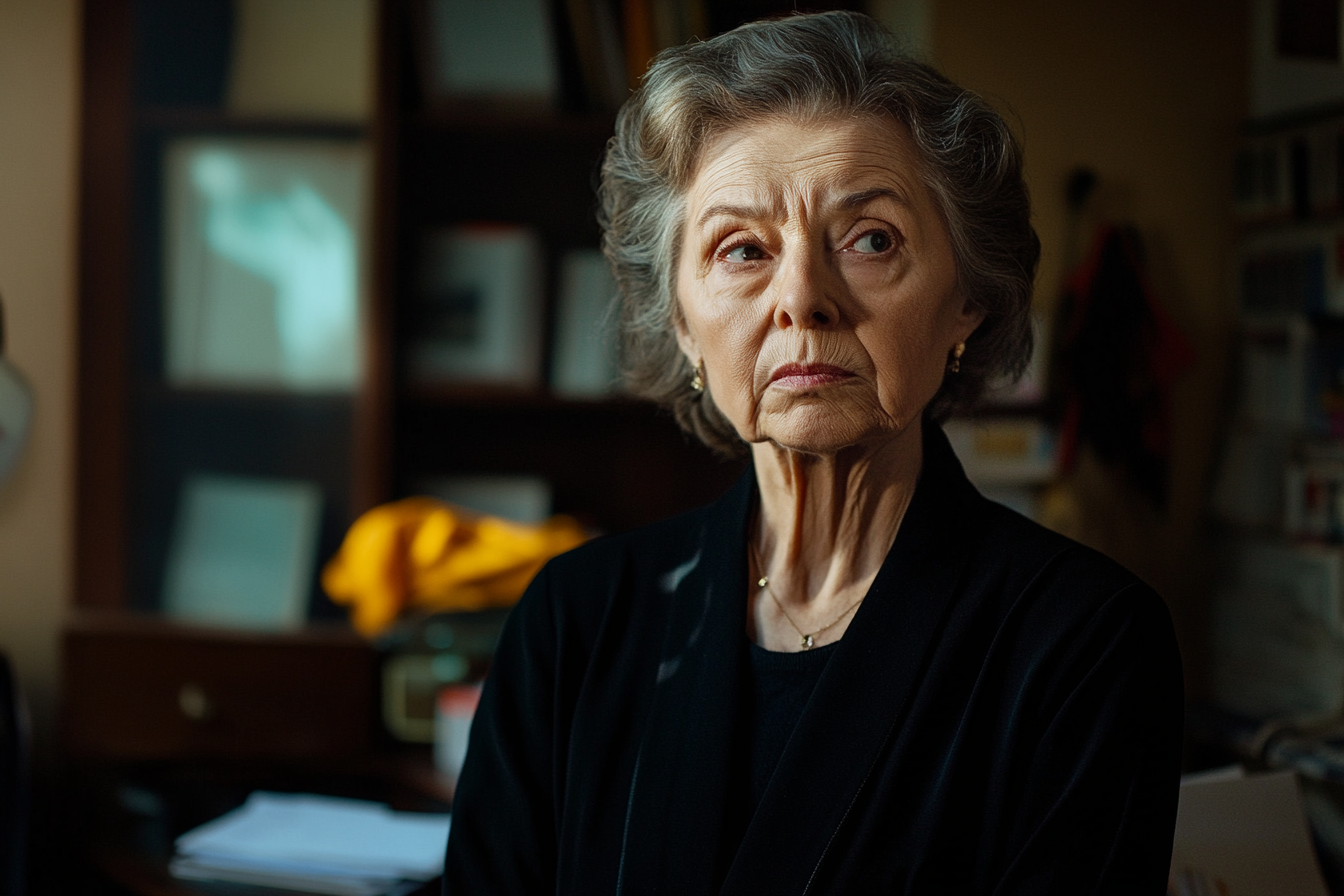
(1003, 715)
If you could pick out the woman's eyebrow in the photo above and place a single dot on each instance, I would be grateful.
(863, 197)
(729, 211)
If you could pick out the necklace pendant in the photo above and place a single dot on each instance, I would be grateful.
(807, 642)
(762, 581)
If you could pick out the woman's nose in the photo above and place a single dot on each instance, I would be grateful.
(804, 291)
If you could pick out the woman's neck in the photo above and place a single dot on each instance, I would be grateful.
(825, 526)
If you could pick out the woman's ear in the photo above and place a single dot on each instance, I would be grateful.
(972, 316)
(689, 345)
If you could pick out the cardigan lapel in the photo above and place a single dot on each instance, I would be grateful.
(682, 796)
(862, 695)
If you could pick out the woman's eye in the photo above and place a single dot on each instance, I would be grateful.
(744, 252)
(874, 243)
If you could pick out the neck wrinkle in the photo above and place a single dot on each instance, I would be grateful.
(826, 523)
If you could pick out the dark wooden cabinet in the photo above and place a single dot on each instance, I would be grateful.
(139, 689)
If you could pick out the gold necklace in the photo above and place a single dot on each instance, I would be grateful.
(805, 641)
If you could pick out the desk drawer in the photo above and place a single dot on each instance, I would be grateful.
(146, 689)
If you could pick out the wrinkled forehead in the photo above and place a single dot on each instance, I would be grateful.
(778, 166)
(784, 129)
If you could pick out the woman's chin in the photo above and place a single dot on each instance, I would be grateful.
(823, 432)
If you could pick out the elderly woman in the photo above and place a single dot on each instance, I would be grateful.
(852, 674)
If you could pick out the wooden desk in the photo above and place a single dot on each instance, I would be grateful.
(167, 726)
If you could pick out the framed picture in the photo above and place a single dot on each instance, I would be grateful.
(244, 552)
(263, 262)
(585, 361)
(501, 50)
(478, 309)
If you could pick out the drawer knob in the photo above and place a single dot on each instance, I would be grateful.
(194, 702)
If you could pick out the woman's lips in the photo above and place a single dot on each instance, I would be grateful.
(808, 376)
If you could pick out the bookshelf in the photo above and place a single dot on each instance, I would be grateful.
(1279, 493)
(155, 72)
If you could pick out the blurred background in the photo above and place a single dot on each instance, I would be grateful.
(267, 265)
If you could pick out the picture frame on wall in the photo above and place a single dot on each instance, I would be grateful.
(477, 317)
(504, 51)
(264, 241)
(243, 552)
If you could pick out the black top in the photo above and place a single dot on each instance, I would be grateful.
(780, 686)
(1003, 715)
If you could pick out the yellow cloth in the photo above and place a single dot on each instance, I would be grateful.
(426, 554)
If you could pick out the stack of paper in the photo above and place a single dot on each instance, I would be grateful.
(315, 844)
(1242, 835)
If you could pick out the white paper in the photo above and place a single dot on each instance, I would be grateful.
(307, 882)
(323, 836)
(1248, 835)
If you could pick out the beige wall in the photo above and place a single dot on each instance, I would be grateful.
(38, 127)
(1150, 95)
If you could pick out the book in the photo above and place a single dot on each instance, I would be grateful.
(1314, 494)
(1292, 271)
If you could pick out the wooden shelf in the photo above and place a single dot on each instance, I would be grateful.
(205, 120)
(530, 125)
(121, 623)
(426, 394)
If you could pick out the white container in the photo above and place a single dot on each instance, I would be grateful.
(453, 712)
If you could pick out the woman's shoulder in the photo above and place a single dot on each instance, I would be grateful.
(1060, 611)
(1058, 576)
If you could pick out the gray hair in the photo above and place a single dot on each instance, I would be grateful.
(808, 67)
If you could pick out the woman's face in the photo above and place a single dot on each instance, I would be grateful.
(817, 283)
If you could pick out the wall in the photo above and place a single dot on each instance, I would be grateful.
(38, 118)
(1150, 95)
